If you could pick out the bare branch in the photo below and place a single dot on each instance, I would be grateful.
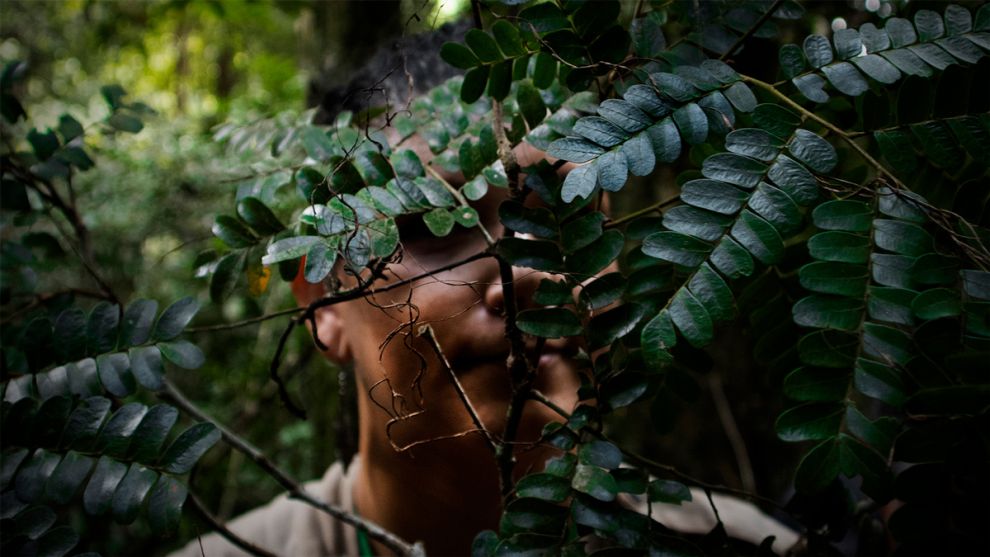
(222, 529)
(390, 540)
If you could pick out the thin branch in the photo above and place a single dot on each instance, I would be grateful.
(390, 540)
(644, 211)
(462, 200)
(222, 529)
(828, 125)
(736, 440)
(427, 331)
(244, 322)
(519, 368)
(749, 32)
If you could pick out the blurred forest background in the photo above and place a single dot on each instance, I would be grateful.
(151, 200)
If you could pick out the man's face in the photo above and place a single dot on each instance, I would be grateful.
(406, 395)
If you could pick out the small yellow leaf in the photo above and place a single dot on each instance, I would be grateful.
(258, 279)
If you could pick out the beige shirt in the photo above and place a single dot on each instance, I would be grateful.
(291, 528)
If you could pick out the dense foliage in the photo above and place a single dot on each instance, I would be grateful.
(830, 206)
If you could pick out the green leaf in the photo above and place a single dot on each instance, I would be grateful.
(101, 328)
(656, 338)
(483, 45)
(580, 182)
(612, 170)
(902, 237)
(734, 169)
(877, 68)
(581, 231)
(472, 88)
(68, 477)
(741, 97)
(289, 248)
(976, 284)
(534, 254)
(929, 25)
(759, 237)
(892, 305)
(812, 86)
(878, 434)
(668, 491)
(624, 114)
(547, 487)
(840, 246)
(146, 365)
(130, 493)
(102, 484)
(666, 140)
(594, 257)
(647, 35)
(69, 127)
(531, 104)
(537, 221)
(808, 422)
(638, 154)
(777, 208)
(544, 70)
(595, 482)
(175, 318)
(936, 303)
(70, 330)
(892, 270)
(674, 87)
(574, 149)
(696, 222)
(183, 453)
(692, 123)
(691, 318)
(794, 179)
(816, 384)
(818, 468)
(713, 195)
(844, 77)
(182, 353)
(600, 453)
(550, 293)
(115, 374)
(828, 312)
(818, 50)
(828, 348)
(776, 119)
(886, 344)
(829, 277)
(813, 151)
(149, 436)
(317, 143)
(791, 60)
(532, 515)
(458, 55)
(233, 232)
(549, 322)
(138, 320)
(714, 294)
(600, 131)
(439, 221)
(732, 259)
(846, 215)
(677, 248)
(605, 328)
(225, 276)
(878, 381)
(125, 123)
(644, 98)
(500, 80)
(847, 43)
(259, 216)
(165, 505)
(755, 143)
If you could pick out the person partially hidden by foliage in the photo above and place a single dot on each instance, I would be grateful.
(455, 248)
(429, 358)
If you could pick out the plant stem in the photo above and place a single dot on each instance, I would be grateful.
(386, 538)
(828, 125)
(644, 211)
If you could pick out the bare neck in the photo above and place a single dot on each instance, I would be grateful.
(429, 495)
